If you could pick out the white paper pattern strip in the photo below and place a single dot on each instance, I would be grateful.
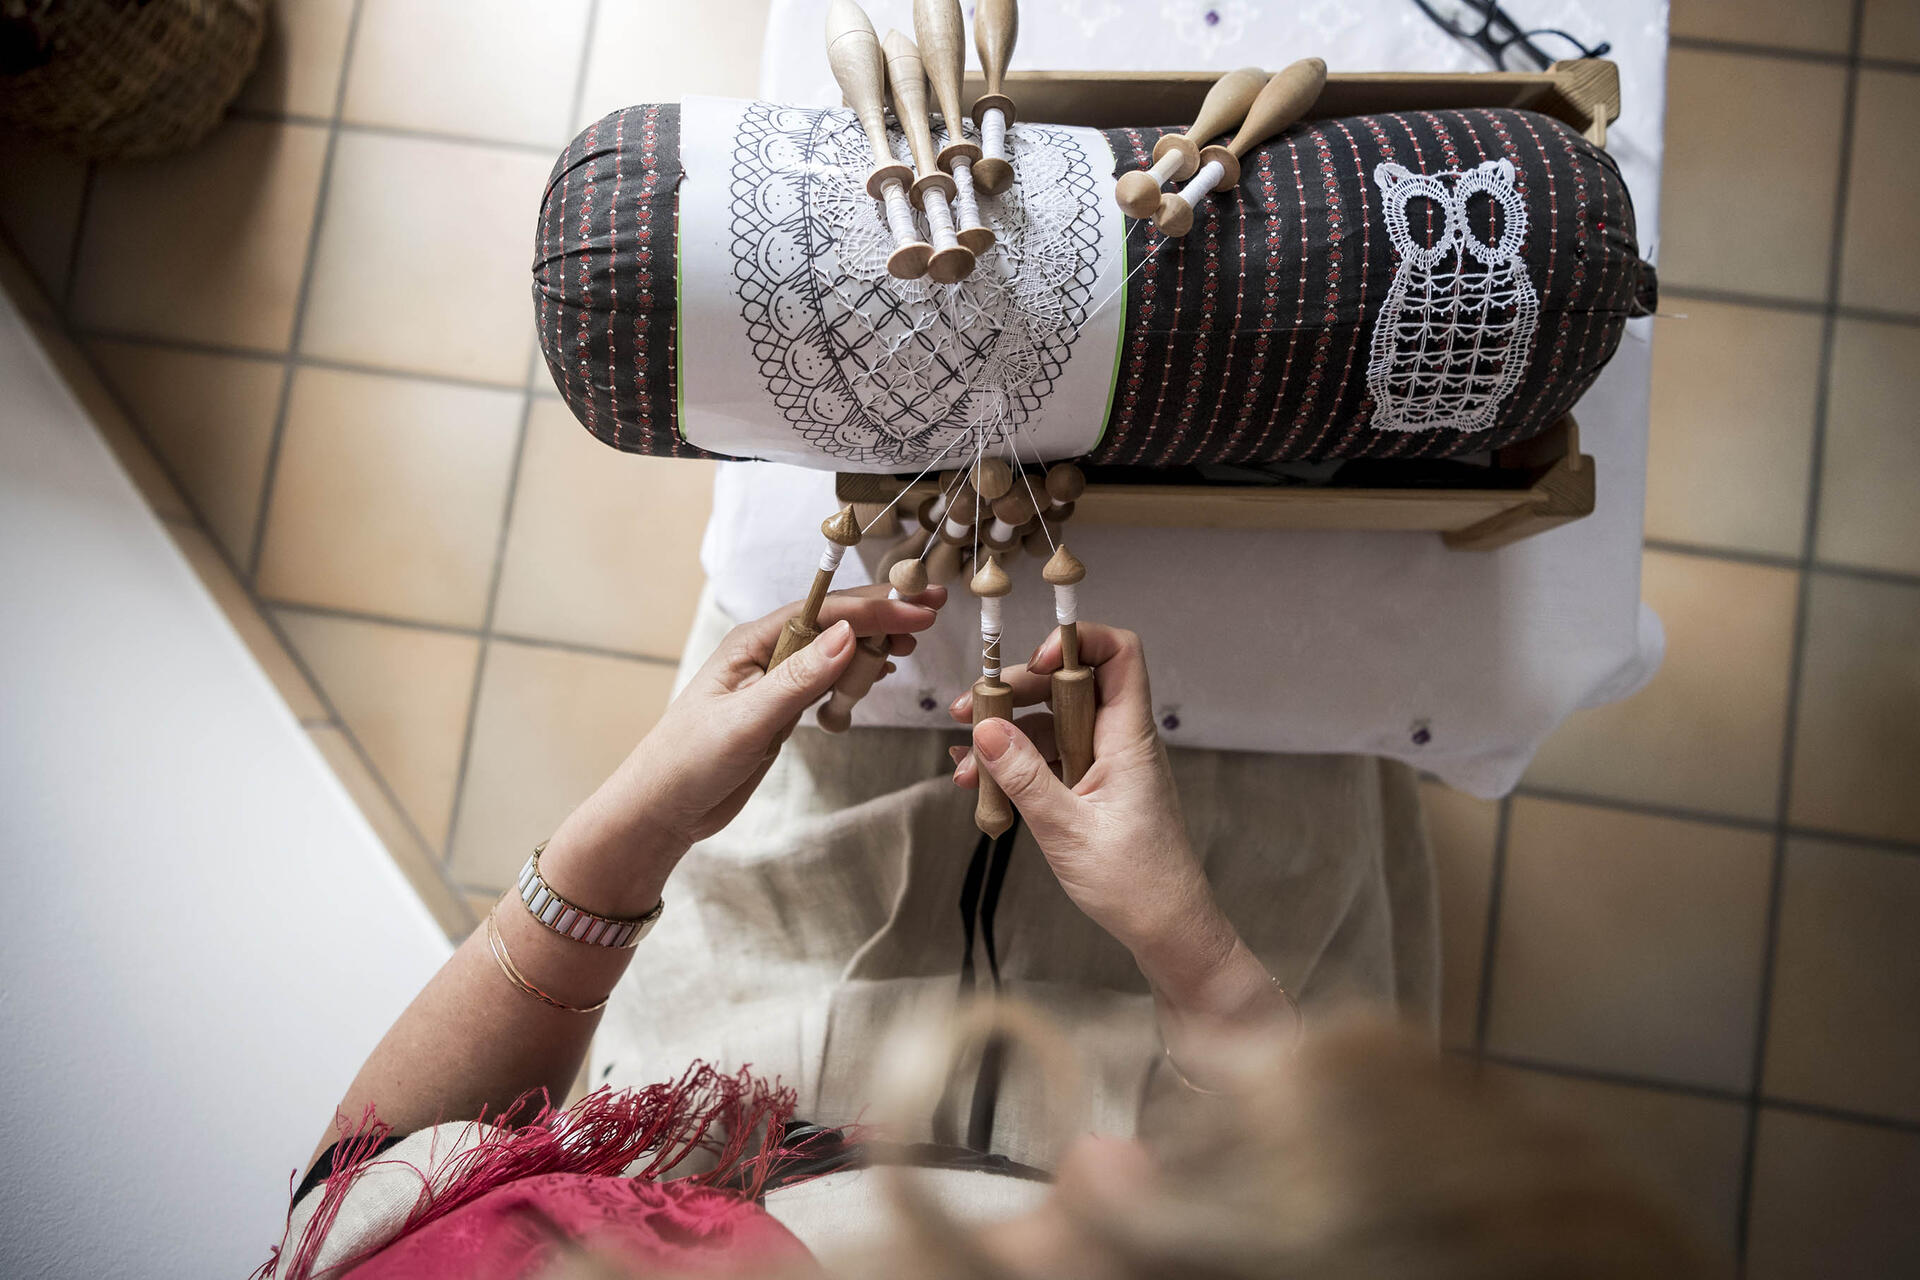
(797, 346)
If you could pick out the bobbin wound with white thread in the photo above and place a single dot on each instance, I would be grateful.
(1176, 157)
(841, 531)
(996, 23)
(854, 53)
(932, 190)
(1285, 99)
(941, 33)
(1071, 690)
(869, 665)
(992, 697)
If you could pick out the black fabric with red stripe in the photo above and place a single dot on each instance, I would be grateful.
(1246, 341)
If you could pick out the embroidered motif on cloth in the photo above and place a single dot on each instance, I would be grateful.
(1453, 336)
(877, 370)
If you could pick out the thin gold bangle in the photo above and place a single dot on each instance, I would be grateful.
(1299, 1031)
(498, 945)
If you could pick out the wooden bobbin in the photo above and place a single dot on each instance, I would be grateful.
(932, 190)
(992, 478)
(996, 23)
(804, 627)
(858, 65)
(992, 700)
(941, 32)
(1071, 691)
(946, 560)
(960, 499)
(1287, 97)
(1177, 155)
(869, 665)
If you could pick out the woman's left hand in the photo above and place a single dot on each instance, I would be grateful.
(701, 762)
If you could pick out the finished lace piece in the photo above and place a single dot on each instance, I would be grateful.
(876, 370)
(1452, 339)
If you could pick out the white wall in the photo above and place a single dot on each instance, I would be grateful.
(202, 938)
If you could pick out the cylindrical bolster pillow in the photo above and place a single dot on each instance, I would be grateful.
(1417, 284)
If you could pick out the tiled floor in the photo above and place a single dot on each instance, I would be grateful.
(1694, 924)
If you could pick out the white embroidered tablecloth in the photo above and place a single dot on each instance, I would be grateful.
(1459, 663)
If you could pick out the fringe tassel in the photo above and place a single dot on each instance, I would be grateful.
(738, 1118)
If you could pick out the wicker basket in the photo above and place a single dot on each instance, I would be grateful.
(117, 78)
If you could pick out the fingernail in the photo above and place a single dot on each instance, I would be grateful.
(959, 704)
(837, 638)
(993, 737)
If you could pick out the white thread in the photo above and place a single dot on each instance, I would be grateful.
(939, 220)
(899, 215)
(1163, 167)
(966, 205)
(955, 528)
(1456, 328)
(830, 558)
(990, 636)
(993, 133)
(1066, 603)
(1000, 532)
(1203, 183)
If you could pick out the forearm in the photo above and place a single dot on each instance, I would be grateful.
(472, 1040)
(1207, 983)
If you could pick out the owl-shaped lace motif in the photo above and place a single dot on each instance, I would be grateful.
(1454, 334)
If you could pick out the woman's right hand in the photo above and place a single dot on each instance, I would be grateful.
(1116, 840)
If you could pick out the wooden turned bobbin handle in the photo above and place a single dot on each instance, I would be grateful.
(803, 628)
(1071, 691)
(869, 665)
(932, 190)
(854, 53)
(1285, 99)
(992, 696)
(996, 23)
(942, 35)
(1177, 155)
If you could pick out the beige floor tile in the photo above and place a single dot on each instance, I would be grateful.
(1706, 732)
(1630, 943)
(211, 418)
(208, 245)
(424, 254)
(403, 693)
(1891, 29)
(1846, 981)
(1856, 750)
(40, 204)
(1869, 514)
(246, 619)
(1834, 1200)
(720, 54)
(604, 547)
(1746, 208)
(389, 495)
(301, 61)
(1732, 429)
(497, 69)
(1687, 1150)
(1878, 266)
(1462, 831)
(1789, 24)
(129, 447)
(449, 907)
(550, 726)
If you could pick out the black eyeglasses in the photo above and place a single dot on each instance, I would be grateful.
(1490, 29)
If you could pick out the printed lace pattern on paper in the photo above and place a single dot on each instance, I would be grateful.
(883, 371)
(1454, 333)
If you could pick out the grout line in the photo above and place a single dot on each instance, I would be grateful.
(1883, 844)
(1783, 808)
(1776, 560)
(263, 115)
(455, 629)
(270, 473)
(1850, 58)
(1489, 943)
(487, 634)
(1704, 1092)
(298, 361)
(63, 304)
(1776, 302)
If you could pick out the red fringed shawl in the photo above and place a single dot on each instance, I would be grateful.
(533, 1184)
